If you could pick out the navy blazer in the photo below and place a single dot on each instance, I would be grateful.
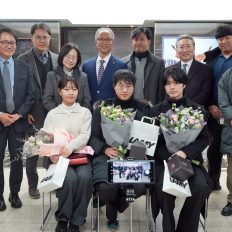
(24, 92)
(199, 83)
(105, 89)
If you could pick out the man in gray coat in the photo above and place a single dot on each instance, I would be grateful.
(41, 61)
(147, 67)
(225, 104)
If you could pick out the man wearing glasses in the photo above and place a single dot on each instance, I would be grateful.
(16, 99)
(101, 68)
(41, 61)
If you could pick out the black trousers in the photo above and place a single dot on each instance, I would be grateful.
(15, 143)
(114, 196)
(214, 155)
(190, 212)
(31, 164)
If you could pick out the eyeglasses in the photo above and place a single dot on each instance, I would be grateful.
(74, 58)
(5, 43)
(107, 40)
(126, 86)
(40, 38)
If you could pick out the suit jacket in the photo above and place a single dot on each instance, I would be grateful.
(38, 111)
(105, 89)
(23, 96)
(153, 87)
(199, 82)
(51, 97)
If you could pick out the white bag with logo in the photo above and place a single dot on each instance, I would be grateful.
(174, 186)
(54, 176)
(146, 133)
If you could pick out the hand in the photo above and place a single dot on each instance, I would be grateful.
(111, 152)
(181, 154)
(6, 119)
(215, 111)
(30, 119)
(65, 152)
(54, 159)
(15, 117)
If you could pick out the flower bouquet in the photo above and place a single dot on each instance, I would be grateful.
(181, 126)
(45, 143)
(116, 124)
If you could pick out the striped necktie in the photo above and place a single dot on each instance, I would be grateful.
(184, 68)
(7, 86)
(100, 71)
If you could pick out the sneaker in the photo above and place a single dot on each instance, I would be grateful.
(61, 226)
(227, 210)
(34, 193)
(112, 226)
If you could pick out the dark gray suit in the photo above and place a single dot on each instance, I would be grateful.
(153, 87)
(23, 96)
(38, 111)
(199, 82)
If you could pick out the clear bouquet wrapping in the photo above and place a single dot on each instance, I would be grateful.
(181, 126)
(116, 124)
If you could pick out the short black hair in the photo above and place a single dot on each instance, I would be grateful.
(9, 31)
(177, 74)
(65, 50)
(65, 80)
(42, 26)
(223, 30)
(124, 75)
(139, 30)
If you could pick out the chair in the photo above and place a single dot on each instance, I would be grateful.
(95, 222)
(204, 215)
(45, 214)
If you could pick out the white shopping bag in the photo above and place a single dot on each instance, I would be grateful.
(54, 176)
(146, 133)
(173, 186)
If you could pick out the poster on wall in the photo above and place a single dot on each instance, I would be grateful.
(202, 44)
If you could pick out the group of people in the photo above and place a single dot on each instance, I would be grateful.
(46, 90)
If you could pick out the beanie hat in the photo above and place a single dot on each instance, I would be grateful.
(223, 30)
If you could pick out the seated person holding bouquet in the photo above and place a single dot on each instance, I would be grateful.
(114, 195)
(74, 195)
(175, 81)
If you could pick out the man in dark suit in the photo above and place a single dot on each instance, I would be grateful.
(16, 99)
(100, 69)
(199, 75)
(41, 61)
(147, 67)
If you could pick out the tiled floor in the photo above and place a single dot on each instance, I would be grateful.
(28, 218)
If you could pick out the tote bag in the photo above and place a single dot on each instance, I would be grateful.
(146, 133)
(54, 176)
(173, 186)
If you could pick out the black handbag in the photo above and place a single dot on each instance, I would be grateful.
(179, 168)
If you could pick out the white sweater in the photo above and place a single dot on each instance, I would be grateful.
(76, 120)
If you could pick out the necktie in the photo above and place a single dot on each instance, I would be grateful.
(100, 71)
(184, 68)
(7, 85)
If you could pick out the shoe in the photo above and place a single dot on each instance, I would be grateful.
(34, 193)
(227, 210)
(15, 200)
(73, 228)
(2, 204)
(61, 226)
(112, 225)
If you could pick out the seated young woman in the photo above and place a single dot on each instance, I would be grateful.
(74, 195)
(114, 195)
(175, 80)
